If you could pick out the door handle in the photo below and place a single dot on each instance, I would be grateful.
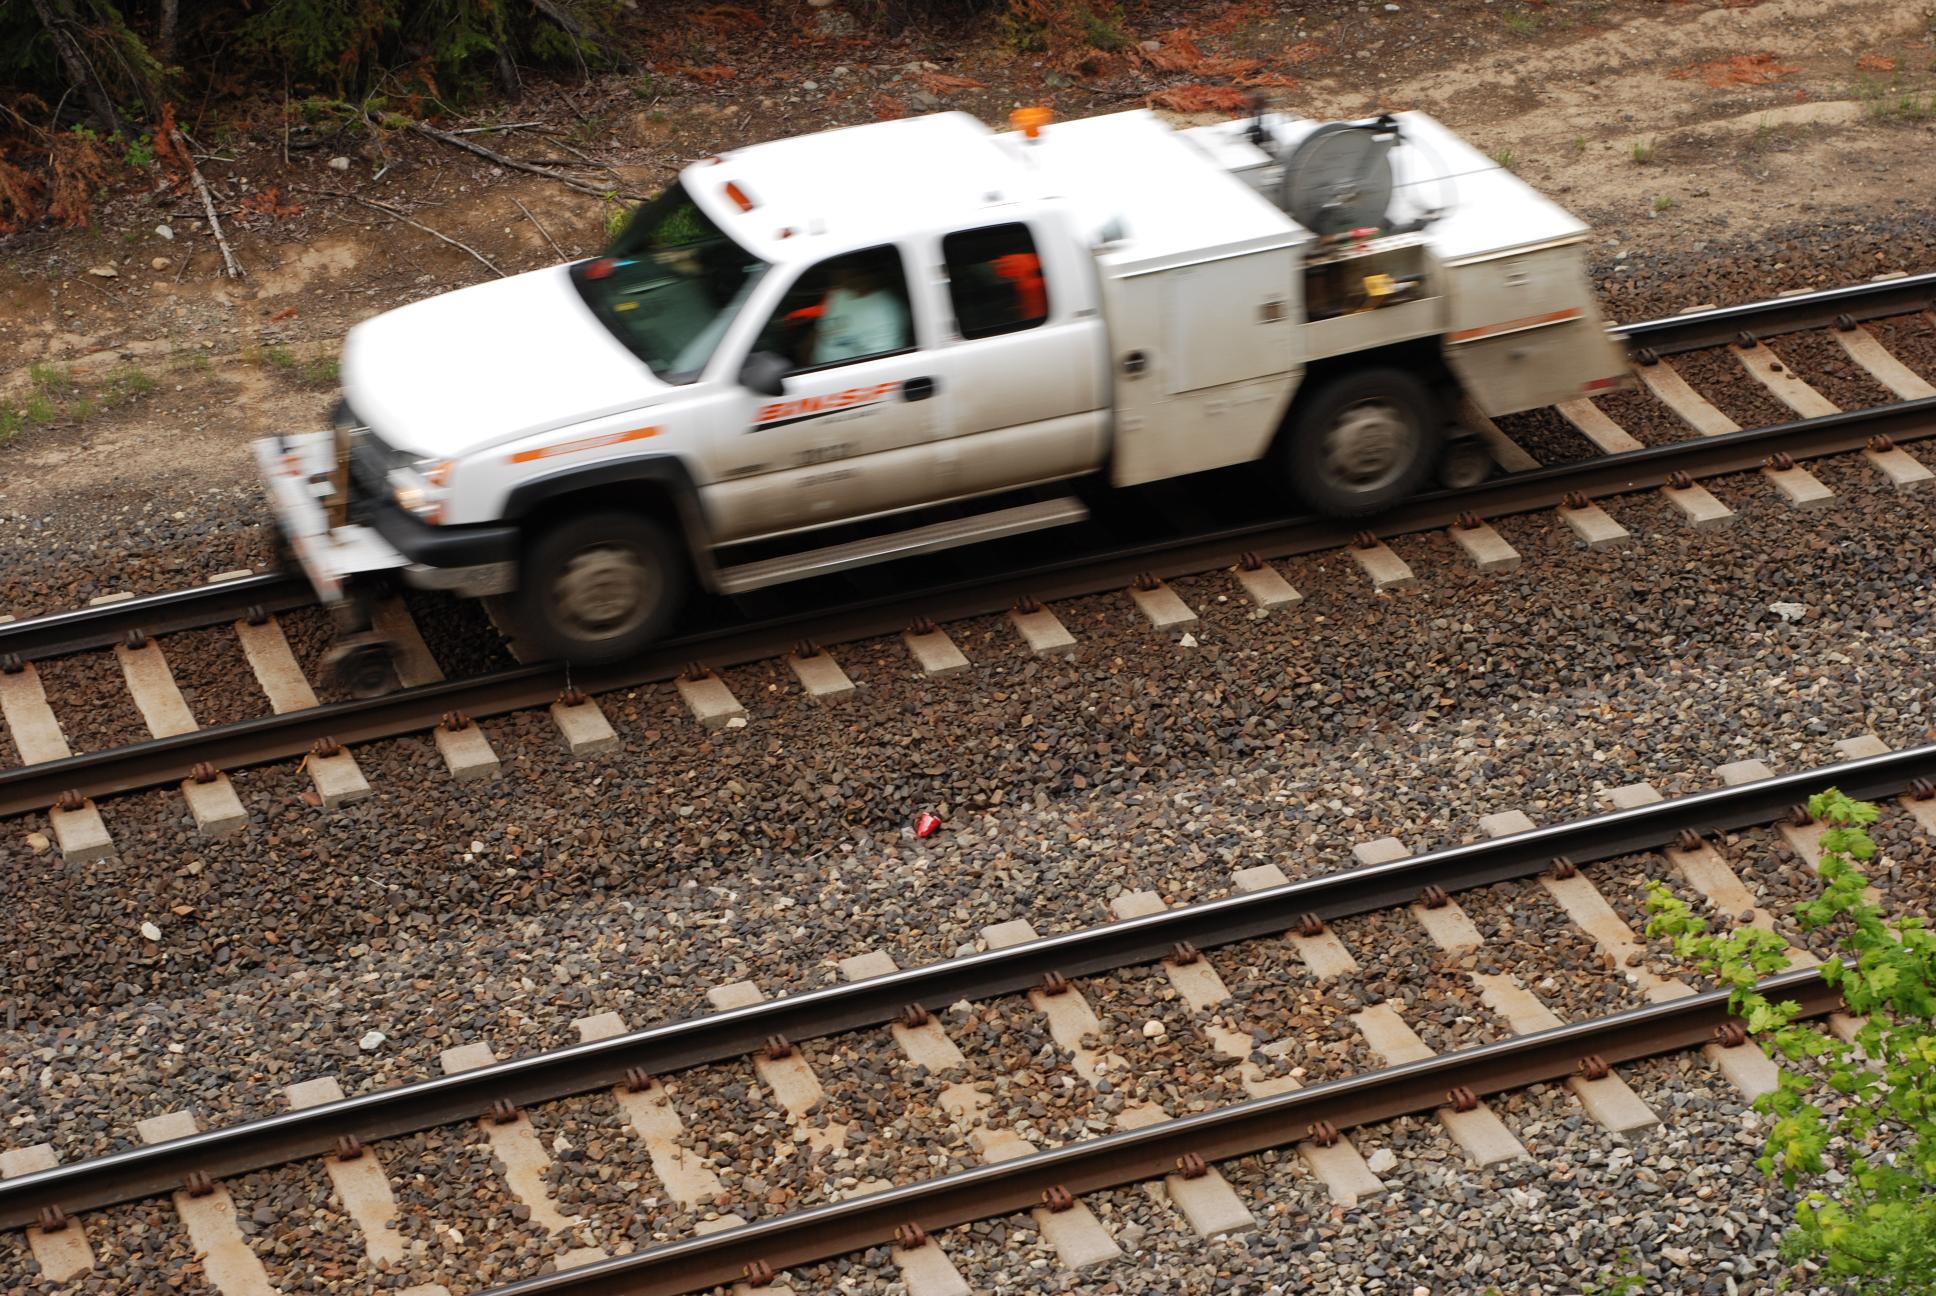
(915, 389)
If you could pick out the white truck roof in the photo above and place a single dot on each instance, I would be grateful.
(1126, 172)
(1158, 198)
(1151, 197)
(881, 181)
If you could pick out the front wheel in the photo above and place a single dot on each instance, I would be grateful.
(600, 587)
(1365, 441)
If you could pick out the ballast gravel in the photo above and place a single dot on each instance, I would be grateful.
(436, 913)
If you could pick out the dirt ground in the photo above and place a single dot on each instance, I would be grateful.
(132, 374)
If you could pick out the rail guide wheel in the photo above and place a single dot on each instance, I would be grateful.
(362, 665)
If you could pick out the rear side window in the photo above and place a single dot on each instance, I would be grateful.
(995, 280)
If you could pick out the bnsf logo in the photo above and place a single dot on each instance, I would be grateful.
(787, 409)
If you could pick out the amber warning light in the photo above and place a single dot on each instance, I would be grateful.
(1030, 121)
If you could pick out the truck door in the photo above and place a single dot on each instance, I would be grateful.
(1024, 359)
(848, 434)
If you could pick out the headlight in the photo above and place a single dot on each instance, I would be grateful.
(419, 489)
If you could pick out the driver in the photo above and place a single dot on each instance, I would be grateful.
(859, 316)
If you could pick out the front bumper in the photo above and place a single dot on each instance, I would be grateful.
(297, 471)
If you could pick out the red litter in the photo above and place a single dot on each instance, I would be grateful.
(925, 825)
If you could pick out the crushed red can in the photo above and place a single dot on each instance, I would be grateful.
(925, 825)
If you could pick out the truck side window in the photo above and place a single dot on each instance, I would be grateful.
(995, 280)
(847, 308)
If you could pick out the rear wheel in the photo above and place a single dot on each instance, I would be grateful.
(1364, 442)
(600, 587)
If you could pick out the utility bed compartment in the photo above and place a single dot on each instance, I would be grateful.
(1522, 327)
(1199, 289)
(1523, 331)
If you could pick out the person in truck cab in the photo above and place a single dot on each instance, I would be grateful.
(859, 316)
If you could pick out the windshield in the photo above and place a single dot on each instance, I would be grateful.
(669, 285)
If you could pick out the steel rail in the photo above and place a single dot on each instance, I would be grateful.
(158, 761)
(84, 629)
(716, 1037)
(99, 627)
(1692, 330)
(1110, 1161)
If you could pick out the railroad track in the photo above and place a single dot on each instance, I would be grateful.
(799, 624)
(642, 1069)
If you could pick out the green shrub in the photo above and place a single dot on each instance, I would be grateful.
(1869, 1214)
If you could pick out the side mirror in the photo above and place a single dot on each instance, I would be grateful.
(765, 372)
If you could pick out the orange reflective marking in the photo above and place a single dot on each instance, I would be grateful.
(1513, 326)
(583, 444)
(831, 401)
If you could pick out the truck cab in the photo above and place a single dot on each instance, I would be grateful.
(861, 328)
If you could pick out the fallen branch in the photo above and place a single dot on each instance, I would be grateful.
(490, 154)
(542, 230)
(584, 157)
(394, 214)
(231, 266)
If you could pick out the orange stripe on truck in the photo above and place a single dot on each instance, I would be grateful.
(1514, 326)
(584, 443)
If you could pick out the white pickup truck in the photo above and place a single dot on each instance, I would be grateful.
(858, 345)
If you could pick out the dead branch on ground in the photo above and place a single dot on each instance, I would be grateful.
(492, 155)
(231, 266)
(394, 214)
(542, 230)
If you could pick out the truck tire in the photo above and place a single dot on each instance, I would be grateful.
(599, 587)
(1364, 441)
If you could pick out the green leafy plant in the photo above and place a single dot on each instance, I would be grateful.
(1103, 29)
(140, 153)
(1610, 1283)
(1642, 151)
(617, 214)
(1663, 203)
(1874, 1218)
(1505, 157)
